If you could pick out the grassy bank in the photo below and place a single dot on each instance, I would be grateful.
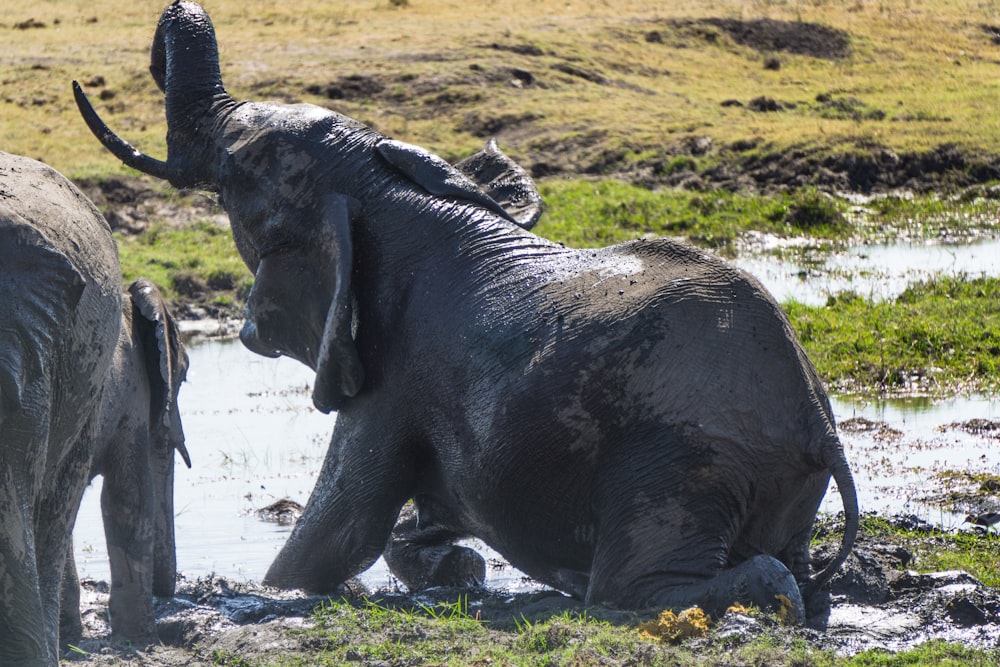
(939, 336)
(579, 87)
(371, 634)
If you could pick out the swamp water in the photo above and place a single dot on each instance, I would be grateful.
(254, 437)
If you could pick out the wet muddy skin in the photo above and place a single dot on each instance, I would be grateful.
(902, 455)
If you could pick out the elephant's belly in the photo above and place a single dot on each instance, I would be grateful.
(542, 526)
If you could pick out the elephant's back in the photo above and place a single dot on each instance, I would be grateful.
(60, 288)
(43, 198)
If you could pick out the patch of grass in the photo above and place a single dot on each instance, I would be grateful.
(369, 633)
(942, 334)
(973, 552)
(586, 214)
(197, 263)
(940, 653)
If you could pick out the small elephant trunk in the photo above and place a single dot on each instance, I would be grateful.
(164, 547)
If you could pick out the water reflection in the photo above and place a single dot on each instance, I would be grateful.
(255, 438)
(872, 271)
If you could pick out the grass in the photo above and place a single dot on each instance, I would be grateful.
(586, 214)
(614, 81)
(938, 335)
(197, 262)
(368, 633)
(975, 553)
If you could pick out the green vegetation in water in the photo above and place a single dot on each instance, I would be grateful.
(368, 633)
(941, 334)
(198, 262)
(895, 217)
(977, 553)
(587, 214)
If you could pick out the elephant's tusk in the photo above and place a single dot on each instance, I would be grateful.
(120, 148)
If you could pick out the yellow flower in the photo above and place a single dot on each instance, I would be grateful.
(672, 628)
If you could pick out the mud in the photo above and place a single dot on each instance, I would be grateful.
(876, 602)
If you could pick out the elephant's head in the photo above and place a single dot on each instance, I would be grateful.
(166, 366)
(275, 167)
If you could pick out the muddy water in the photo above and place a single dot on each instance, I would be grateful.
(254, 437)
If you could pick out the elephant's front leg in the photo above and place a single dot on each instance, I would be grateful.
(424, 556)
(127, 507)
(70, 623)
(364, 482)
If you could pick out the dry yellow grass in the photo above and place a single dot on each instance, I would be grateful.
(930, 66)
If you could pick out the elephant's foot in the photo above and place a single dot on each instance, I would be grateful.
(425, 557)
(762, 582)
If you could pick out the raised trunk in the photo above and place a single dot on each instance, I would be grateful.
(185, 65)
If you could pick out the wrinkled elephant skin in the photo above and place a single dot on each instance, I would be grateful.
(60, 290)
(635, 425)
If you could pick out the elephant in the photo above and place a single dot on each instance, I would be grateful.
(139, 431)
(60, 290)
(635, 425)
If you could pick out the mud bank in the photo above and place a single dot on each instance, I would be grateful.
(876, 603)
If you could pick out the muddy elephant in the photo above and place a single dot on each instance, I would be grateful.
(60, 309)
(140, 429)
(635, 425)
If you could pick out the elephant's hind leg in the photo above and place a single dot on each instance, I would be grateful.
(24, 638)
(688, 572)
(666, 545)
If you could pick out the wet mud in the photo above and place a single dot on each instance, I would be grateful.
(876, 602)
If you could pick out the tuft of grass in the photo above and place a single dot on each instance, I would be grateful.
(939, 653)
(938, 335)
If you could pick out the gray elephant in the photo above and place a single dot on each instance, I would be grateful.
(60, 308)
(140, 429)
(634, 425)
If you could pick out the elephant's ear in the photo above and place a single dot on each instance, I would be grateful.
(435, 175)
(39, 290)
(506, 182)
(339, 373)
(166, 360)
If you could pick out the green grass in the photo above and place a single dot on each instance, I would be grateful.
(939, 335)
(586, 214)
(972, 552)
(197, 262)
(368, 633)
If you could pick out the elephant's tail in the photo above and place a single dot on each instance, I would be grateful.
(836, 462)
